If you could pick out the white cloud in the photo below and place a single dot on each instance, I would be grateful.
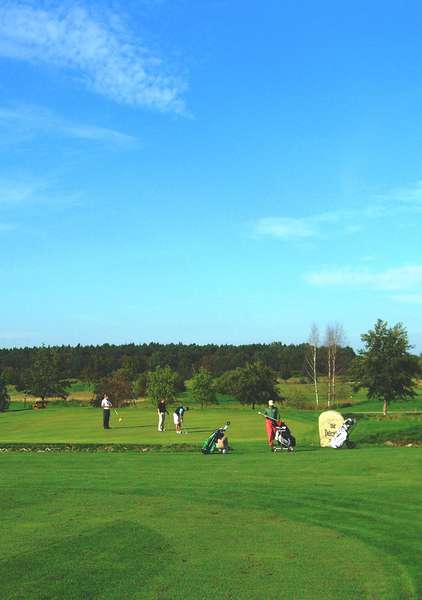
(284, 228)
(100, 50)
(408, 298)
(15, 335)
(15, 192)
(34, 120)
(289, 228)
(351, 229)
(407, 198)
(400, 278)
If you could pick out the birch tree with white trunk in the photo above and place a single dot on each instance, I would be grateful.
(311, 359)
(334, 337)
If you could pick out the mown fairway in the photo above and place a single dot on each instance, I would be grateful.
(169, 525)
(139, 426)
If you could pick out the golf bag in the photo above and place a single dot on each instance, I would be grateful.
(210, 444)
(341, 437)
(283, 438)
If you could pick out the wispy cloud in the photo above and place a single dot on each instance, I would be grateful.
(399, 201)
(285, 228)
(408, 298)
(16, 335)
(101, 50)
(290, 228)
(33, 120)
(407, 198)
(400, 278)
(14, 192)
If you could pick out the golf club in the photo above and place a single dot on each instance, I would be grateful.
(271, 418)
(118, 416)
(287, 444)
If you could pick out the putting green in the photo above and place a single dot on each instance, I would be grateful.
(139, 426)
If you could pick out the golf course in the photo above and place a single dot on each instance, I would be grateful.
(135, 513)
(211, 293)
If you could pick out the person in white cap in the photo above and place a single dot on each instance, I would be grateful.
(273, 413)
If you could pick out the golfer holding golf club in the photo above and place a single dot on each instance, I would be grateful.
(273, 413)
(162, 412)
(178, 417)
(106, 405)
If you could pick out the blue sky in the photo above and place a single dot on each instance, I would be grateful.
(213, 171)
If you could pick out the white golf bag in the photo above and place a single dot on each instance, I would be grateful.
(341, 437)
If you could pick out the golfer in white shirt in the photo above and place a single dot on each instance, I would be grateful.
(106, 405)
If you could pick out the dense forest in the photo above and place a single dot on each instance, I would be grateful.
(91, 363)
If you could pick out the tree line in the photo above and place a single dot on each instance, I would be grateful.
(249, 373)
(91, 363)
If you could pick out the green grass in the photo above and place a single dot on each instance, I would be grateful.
(411, 404)
(301, 395)
(83, 425)
(315, 524)
(139, 426)
(394, 428)
(80, 386)
(296, 395)
(252, 525)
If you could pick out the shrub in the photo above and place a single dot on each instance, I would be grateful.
(162, 385)
(203, 388)
(117, 387)
(4, 396)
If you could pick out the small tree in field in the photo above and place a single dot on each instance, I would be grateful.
(118, 388)
(4, 396)
(139, 386)
(227, 382)
(162, 385)
(385, 367)
(43, 378)
(10, 375)
(256, 384)
(203, 388)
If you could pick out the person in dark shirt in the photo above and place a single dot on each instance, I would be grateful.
(162, 412)
(178, 417)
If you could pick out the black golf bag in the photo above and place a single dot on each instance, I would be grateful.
(283, 438)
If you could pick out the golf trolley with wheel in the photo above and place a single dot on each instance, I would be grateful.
(217, 441)
(341, 437)
(282, 436)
